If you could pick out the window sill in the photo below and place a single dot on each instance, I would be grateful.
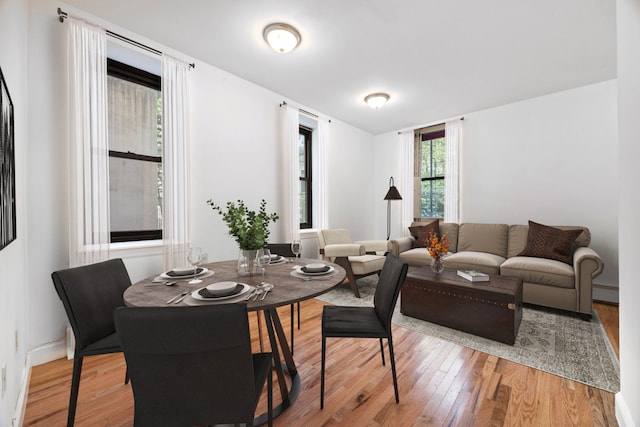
(139, 248)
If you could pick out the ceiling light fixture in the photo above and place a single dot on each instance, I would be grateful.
(376, 100)
(283, 38)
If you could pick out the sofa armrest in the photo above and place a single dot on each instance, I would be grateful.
(400, 244)
(374, 245)
(587, 265)
(344, 250)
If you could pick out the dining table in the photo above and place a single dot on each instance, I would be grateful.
(291, 283)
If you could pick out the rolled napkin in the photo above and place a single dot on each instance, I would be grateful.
(206, 293)
(183, 272)
(315, 270)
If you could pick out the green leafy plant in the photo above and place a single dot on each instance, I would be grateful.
(248, 228)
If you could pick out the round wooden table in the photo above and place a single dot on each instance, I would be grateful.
(289, 288)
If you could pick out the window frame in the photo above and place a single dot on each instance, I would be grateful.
(423, 135)
(135, 75)
(307, 178)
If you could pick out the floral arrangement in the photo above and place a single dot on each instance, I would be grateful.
(436, 247)
(250, 229)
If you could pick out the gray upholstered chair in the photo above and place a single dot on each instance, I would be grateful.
(359, 259)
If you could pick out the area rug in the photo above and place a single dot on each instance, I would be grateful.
(548, 340)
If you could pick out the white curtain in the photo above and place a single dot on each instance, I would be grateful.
(89, 231)
(290, 122)
(321, 174)
(175, 161)
(453, 138)
(406, 179)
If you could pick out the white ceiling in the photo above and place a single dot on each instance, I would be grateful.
(436, 58)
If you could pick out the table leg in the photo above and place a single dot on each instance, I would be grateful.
(279, 344)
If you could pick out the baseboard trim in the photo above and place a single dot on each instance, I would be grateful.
(623, 415)
(48, 352)
(21, 403)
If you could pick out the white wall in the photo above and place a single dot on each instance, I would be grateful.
(234, 155)
(628, 11)
(13, 262)
(551, 159)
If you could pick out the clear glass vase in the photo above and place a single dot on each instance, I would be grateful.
(247, 265)
(437, 265)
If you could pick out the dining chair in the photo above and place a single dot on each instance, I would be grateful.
(284, 249)
(90, 294)
(367, 322)
(193, 365)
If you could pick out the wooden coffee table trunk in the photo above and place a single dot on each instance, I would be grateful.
(488, 309)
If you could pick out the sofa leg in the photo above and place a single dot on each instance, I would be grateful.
(584, 316)
(344, 263)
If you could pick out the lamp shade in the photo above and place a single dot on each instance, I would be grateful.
(392, 193)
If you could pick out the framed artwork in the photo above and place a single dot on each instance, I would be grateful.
(7, 168)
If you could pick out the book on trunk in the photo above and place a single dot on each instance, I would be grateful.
(473, 275)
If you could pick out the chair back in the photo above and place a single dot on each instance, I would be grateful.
(189, 365)
(333, 237)
(282, 249)
(90, 294)
(391, 280)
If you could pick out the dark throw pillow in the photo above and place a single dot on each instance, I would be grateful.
(550, 242)
(422, 232)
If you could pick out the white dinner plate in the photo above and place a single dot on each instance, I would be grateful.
(165, 275)
(196, 295)
(320, 273)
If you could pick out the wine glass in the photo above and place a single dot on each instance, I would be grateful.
(194, 257)
(263, 259)
(295, 247)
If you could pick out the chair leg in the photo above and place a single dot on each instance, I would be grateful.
(344, 263)
(292, 326)
(260, 330)
(324, 349)
(382, 351)
(393, 369)
(270, 400)
(298, 316)
(126, 376)
(75, 385)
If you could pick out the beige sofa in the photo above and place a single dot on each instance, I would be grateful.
(494, 249)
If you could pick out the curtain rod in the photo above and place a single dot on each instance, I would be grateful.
(62, 15)
(303, 111)
(413, 130)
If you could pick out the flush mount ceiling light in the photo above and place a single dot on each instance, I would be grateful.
(282, 38)
(376, 100)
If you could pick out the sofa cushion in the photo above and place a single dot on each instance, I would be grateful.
(490, 238)
(417, 257)
(550, 242)
(471, 260)
(365, 264)
(539, 270)
(421, 233)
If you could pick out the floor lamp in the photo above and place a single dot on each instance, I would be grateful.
(392, 194)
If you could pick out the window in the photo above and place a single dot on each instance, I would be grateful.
(135, 153)
(429, 169)
(304, 156)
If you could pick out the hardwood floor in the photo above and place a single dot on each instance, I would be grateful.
(441, 384)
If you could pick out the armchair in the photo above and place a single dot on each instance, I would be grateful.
(359, 259)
